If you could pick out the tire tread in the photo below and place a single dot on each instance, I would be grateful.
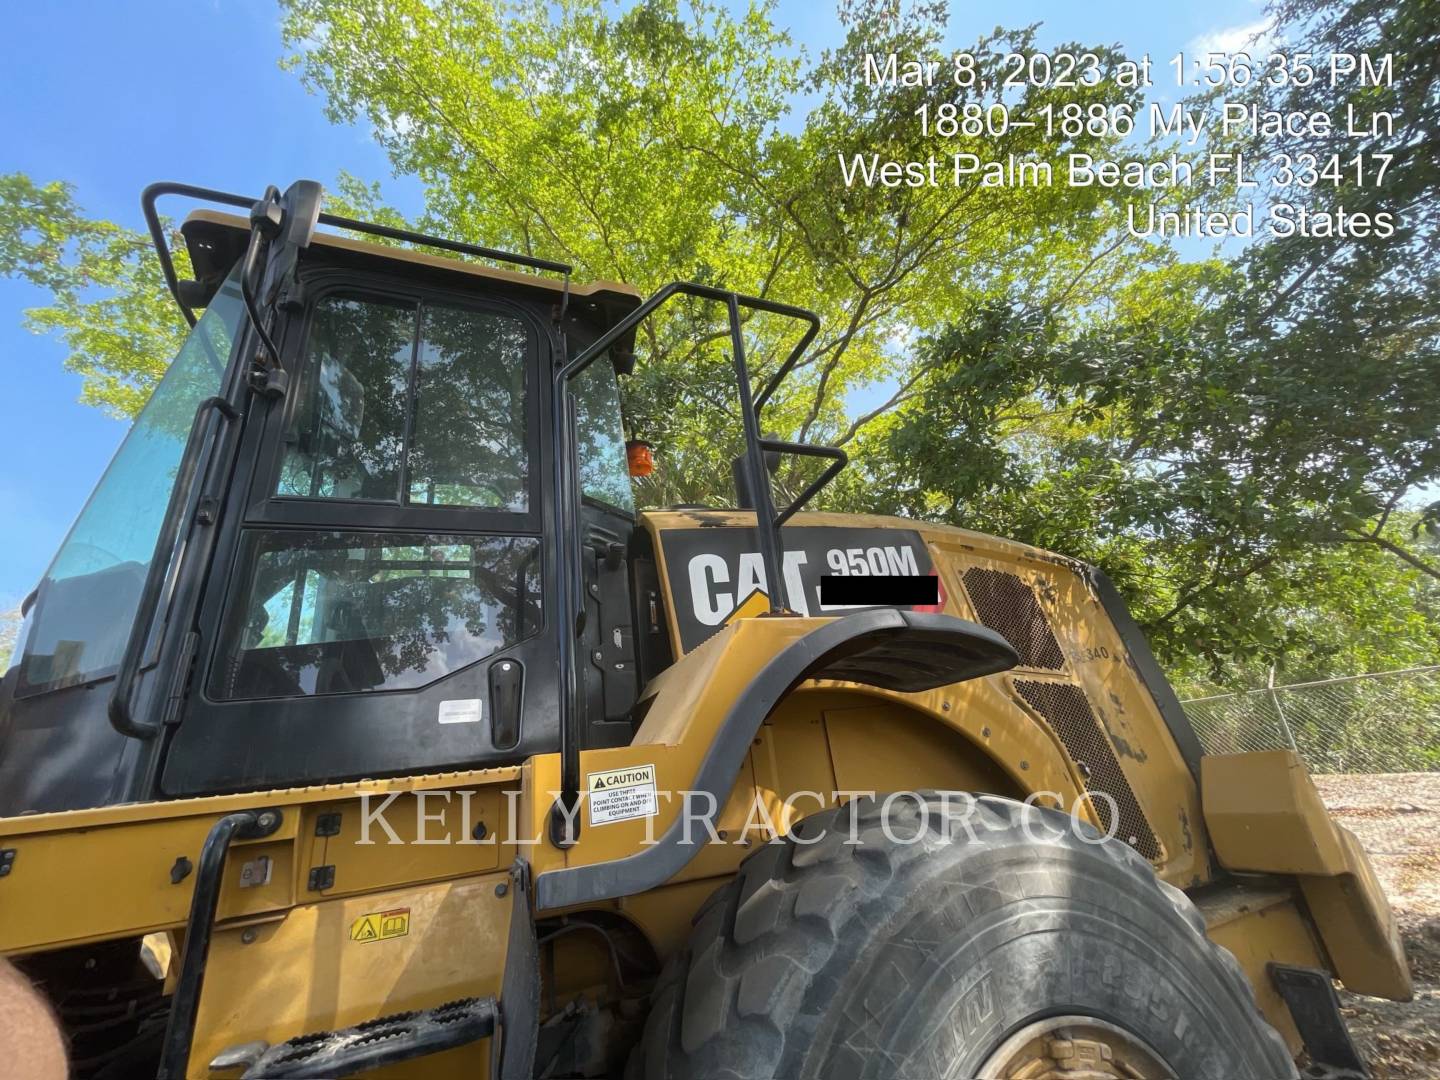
(730, 1004)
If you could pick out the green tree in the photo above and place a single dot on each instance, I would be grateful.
(1220, 437)
(1370, 296)
(1237, 443)
(1198, 466)
(9, 628)
(108, 304)
(657, 143)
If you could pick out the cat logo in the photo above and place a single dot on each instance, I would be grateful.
(717, 575)
(379, 925)
(757, 603)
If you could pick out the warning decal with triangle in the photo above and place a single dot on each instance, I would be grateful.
(379, 925)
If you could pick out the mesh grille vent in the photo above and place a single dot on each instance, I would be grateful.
(1067, 712)
(1007, 605)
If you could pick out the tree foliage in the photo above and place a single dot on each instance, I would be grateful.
(9, 629)
(1230, 441)
(1224, 485)
(657, 143)
(108, 299)
(1238, 443)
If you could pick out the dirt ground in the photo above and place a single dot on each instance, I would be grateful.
(1397, 818)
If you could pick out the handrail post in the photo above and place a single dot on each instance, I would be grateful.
(204, 900)
(755, 475)
(564, 819)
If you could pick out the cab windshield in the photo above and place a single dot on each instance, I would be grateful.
(76, 630)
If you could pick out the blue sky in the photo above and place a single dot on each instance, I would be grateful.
(113, 96)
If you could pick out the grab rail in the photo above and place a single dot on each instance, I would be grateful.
(121, 706)
(152, 193)
(751, 468)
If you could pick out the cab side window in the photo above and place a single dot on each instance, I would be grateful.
(604, 476)
(329, 612)
(410, 403)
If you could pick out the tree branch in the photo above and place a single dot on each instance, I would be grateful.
(902, 394)
(1189, 595)
(1394, 549)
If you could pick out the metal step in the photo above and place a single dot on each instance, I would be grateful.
(369, 1045)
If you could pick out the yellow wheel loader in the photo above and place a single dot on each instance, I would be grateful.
(362, 725)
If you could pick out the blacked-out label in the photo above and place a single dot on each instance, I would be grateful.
(888, 589)
(713, 572)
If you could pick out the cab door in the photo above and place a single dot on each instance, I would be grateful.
(376, 604)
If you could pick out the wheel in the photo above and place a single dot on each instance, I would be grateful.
(980, 937)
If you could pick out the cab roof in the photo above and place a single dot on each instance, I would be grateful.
(216, 240)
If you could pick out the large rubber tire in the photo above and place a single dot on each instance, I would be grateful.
(828, 959)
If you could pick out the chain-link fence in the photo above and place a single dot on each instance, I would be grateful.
(1385, 722)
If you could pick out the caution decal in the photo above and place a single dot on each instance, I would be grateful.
(380, 925)
(621, 794)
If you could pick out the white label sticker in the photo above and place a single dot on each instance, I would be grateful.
(622, 794)
(460, 711)
(256, 872)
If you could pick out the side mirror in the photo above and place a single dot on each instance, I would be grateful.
(302, 212)
(622, 358)
(194, 294)
(772, 459)
(743, 495)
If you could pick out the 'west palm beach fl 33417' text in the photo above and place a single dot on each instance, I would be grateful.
(1182, 129)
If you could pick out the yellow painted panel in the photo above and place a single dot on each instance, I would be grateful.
(1264, 814)
(792, 760)
(1096, 662)
(665, 914)
(1359, 929)
(111, 880)
(214, 806)
(1260, 929)
(449, 849)
(86, 884)
(305, 972)
(884, 748)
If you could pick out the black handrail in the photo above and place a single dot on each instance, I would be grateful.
(838, 458)
(121, 706)
(269, 203)
(204, 899)
(708, 292)
(457, 246)
(225, 198)
(148, 198)
(757, 477)
(756, 482)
